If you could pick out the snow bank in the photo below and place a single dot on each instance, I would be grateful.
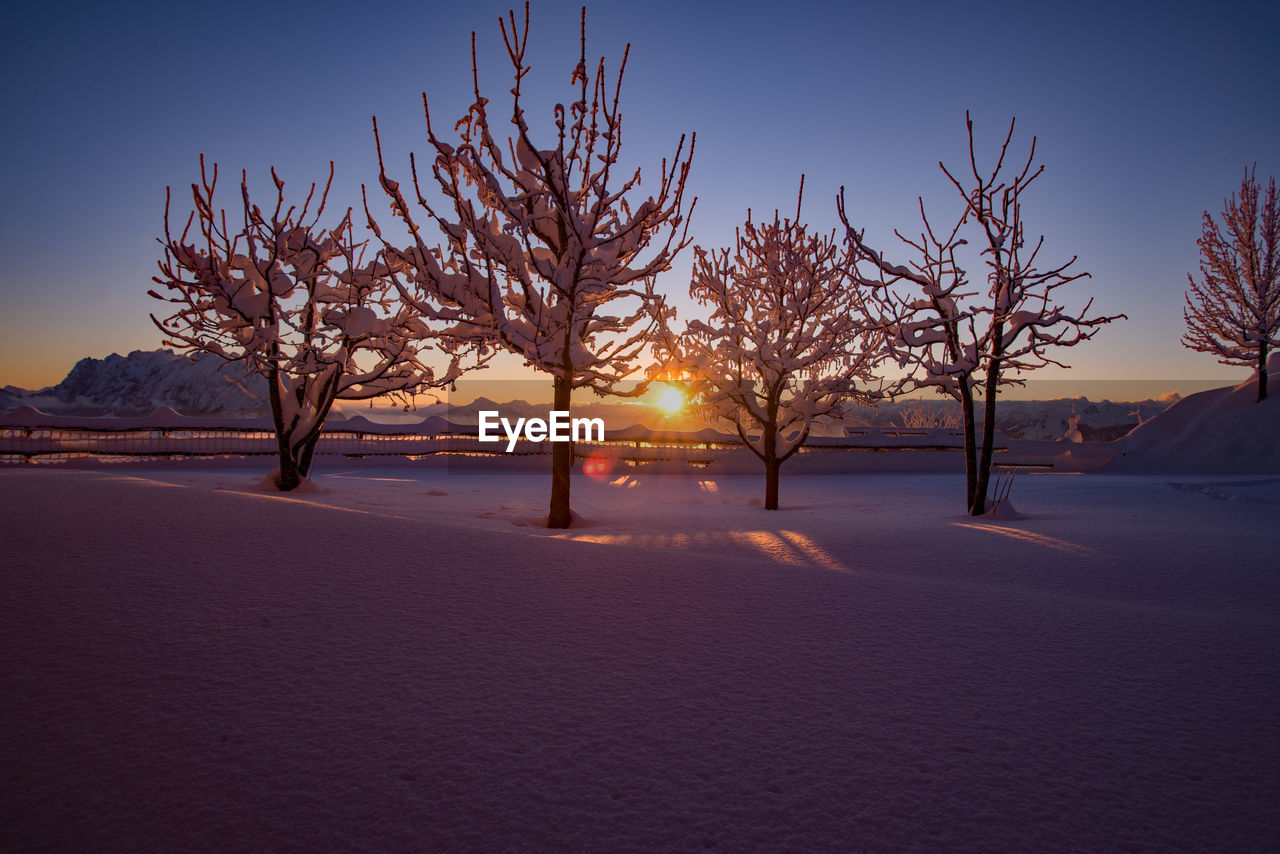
(1220, 431)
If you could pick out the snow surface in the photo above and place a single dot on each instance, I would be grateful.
(400, 661)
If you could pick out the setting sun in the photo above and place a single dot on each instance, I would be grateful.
(670, 400)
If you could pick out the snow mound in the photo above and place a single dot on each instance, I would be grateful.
(1220, 431)
(1004, 509)
(544, 521)
(271, 484)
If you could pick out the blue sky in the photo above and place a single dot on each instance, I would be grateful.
(1146, 115)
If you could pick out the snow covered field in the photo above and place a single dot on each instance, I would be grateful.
(406, 663)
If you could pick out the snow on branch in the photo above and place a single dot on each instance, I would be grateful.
(1025, 322)
(788, 340)
(951, 335)
(549, 252)
(302, 305)
(922, 306)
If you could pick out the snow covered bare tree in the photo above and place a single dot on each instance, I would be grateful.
(930, 327)
(1234, 313)
(974, 347)
(296, 303)
(549, 253)
(787, 341)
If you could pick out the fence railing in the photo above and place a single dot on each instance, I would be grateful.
(37, 441)
(64, 439)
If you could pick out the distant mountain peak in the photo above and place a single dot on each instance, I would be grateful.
(145, 380)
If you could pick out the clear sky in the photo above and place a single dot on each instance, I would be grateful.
(1146, 115)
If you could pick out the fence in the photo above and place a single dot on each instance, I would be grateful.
(28, 436)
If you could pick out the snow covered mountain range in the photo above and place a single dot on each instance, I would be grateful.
(137, 384)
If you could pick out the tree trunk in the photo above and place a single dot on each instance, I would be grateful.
(1262, 371)
(970, 443)
(771, 469)
(769, 447)
(288, 479)
(306, 451)
(978, 506)
(561, 463)
(305, 454)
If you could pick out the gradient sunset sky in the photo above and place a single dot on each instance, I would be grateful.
(1146, 115)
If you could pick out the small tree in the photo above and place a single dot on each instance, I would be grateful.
(787, 341)
(294, 302)
(546, 248)
(918, 414)
(967, 346)
(1234, 313)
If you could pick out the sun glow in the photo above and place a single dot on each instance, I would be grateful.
(670, 400)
